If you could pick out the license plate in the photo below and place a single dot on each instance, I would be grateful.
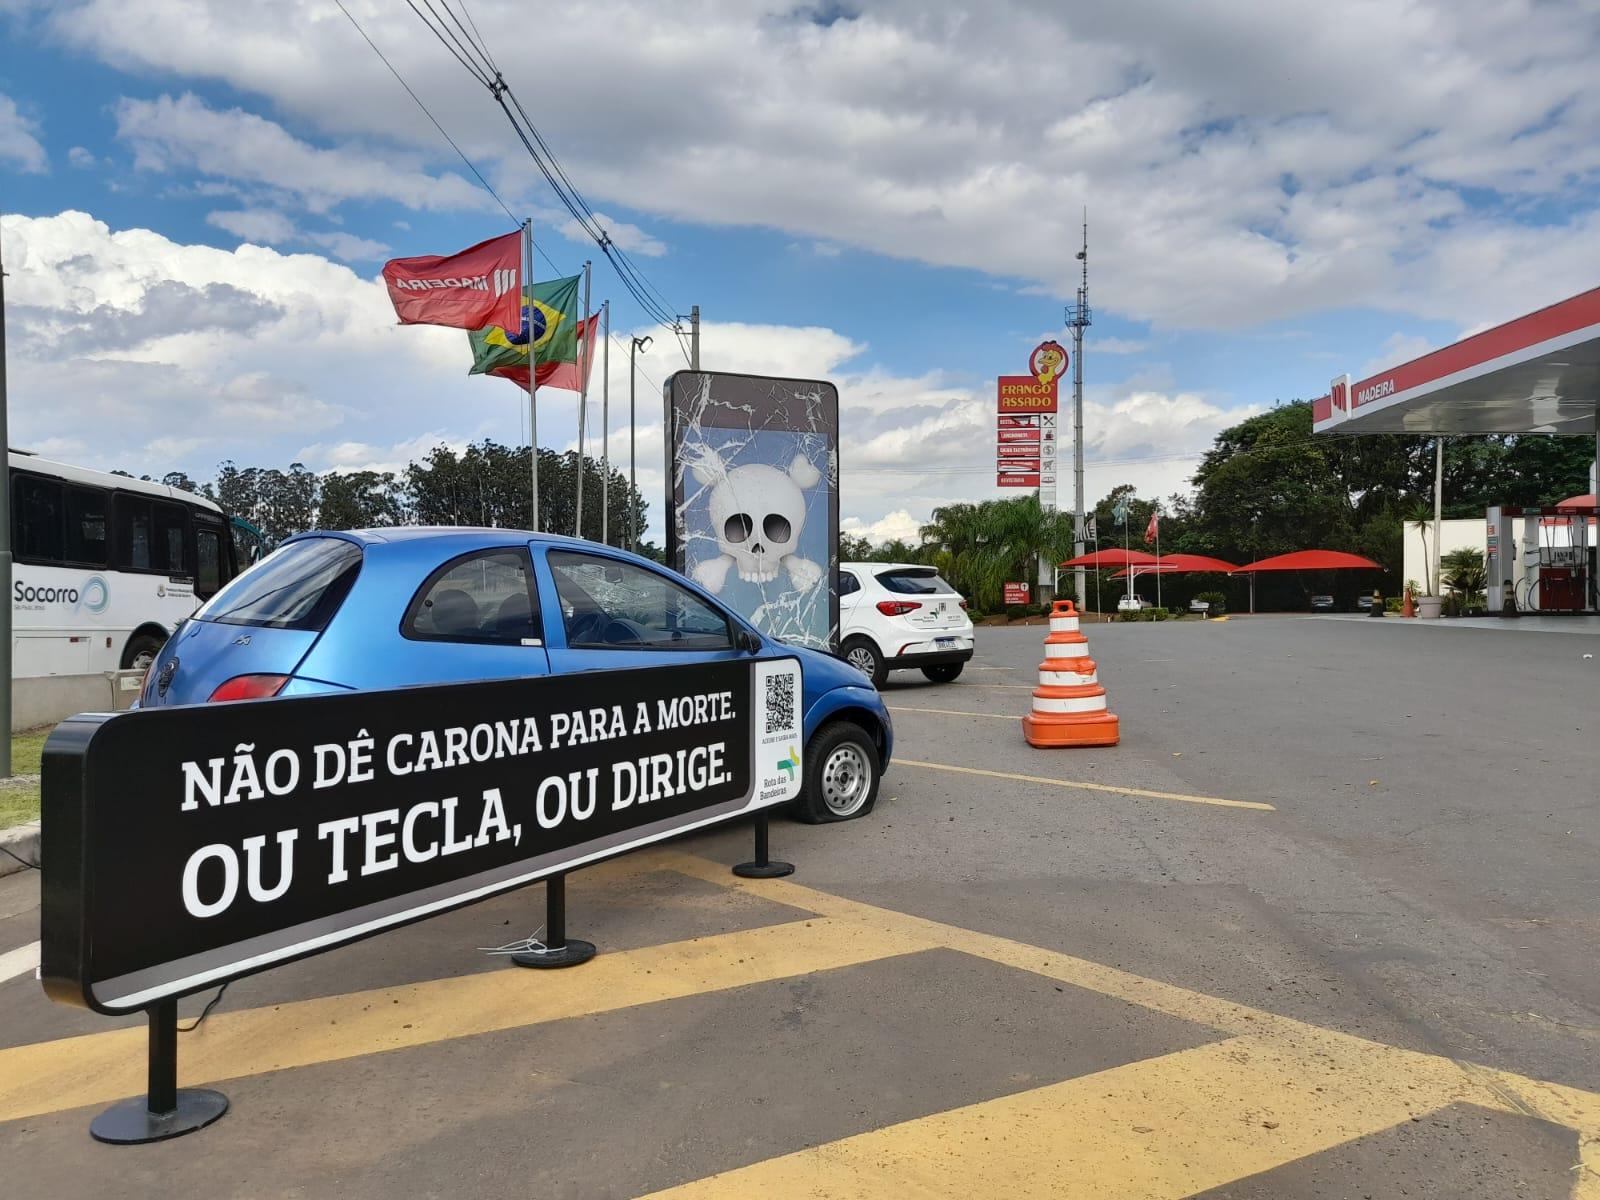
(944, 643)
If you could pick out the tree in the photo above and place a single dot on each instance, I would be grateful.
(854, 549)
(1420, 516)
(360, 500)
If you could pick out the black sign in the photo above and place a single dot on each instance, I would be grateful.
(197, 844)
(753, 492)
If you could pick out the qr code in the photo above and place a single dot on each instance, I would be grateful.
(780, 703)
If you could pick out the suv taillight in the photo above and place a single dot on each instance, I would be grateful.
(897, 608)
(249, 687)
(963, 606)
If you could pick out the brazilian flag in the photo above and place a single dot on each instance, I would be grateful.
(553, 330)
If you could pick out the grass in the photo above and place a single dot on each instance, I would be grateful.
(19, 799)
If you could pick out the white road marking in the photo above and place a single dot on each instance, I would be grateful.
(20, 961)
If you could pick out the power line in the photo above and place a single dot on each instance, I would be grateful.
(426, 112)
(474, 57)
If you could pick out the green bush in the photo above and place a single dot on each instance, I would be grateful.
(1124, 614)
(1016, 612)
(1218, 602)
(1156, 614)
(1392, 604)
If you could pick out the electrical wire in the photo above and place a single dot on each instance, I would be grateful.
(426, 112)
(9, 854)
(204, 1012)
(473, 55)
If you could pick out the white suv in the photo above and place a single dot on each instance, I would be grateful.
(893, 616)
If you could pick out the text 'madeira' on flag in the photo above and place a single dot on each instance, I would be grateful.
(480, 286)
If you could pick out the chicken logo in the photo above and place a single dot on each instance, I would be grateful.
(1048, 362)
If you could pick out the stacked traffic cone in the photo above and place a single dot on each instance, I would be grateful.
(1069, 705)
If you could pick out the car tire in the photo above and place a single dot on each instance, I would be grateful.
(943, 672)
(865, 657)
(842, 774)
(140, 652)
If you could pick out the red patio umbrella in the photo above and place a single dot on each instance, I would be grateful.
(1304, 560)
(1101, 559)
(1309, 560)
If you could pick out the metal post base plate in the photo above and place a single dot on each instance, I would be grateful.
(570, 955)
(766, 870)
(131, 1123)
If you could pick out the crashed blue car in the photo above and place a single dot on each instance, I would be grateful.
(386, 608)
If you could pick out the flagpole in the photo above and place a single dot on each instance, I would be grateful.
(1155, 515)
(605, 422)
(583, 398)
(533, 387)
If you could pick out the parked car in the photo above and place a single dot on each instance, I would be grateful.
(895, 616)
(1203, 607)
(1132, 603)
(1363, 604)
(388, 608)
(1324, 603)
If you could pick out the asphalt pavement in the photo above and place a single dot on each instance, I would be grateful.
(1322, 925)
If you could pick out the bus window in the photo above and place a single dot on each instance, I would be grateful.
(208, 560)
(37, 525)
(132, 519)
(168, 533)
(86, 526)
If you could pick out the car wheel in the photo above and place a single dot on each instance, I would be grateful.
(841, 781)
(140, 652)
(866, 658)
(943, 672)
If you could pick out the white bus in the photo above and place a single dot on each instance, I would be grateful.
(105, 566)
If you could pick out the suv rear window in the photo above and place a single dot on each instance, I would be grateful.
(911, 582)
(299, 586)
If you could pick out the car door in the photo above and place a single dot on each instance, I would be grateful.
(850, 594)
(606, 611)
(476, 616)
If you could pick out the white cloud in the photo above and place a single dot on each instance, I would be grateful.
(19, 143)
(896, 526)
(255, 225)
(1397, 348)
(82, 158)
(186, 133)
(348, 247)
(1239, 163)
(1115, 345)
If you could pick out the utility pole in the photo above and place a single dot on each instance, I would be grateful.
(639, 343)
(1079, 318)
(584, 355)
(5, 550)
(694, 338)
(605, 423)
(1438, 506)
(533, 383)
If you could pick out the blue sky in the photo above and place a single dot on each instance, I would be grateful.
(880, 194)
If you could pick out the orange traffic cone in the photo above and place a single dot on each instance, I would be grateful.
(1069, 705)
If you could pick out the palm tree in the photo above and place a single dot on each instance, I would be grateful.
(1464, 573)
(1420, 514)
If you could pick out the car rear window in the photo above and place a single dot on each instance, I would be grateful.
(298, 586)
(914, 582)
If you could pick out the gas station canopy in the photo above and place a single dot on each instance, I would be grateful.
(1537, 374)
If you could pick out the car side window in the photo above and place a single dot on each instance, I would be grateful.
(486, 596)
(848, 584)
(612, 605)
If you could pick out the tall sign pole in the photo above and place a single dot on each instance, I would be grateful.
(583, 399)
(5, 550)
(1079, 318)
(605, 423)
(694, 338)
(639, 343)
(533, 385)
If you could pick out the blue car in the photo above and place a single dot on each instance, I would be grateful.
(386, 608)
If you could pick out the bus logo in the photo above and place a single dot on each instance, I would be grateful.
(94, 595)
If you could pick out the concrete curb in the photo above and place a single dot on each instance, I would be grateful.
(23, 841)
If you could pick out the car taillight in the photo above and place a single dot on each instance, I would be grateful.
(963, 606)
(897, 608)
(249, 687)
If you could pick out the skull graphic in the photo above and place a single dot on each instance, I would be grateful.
(757, 513)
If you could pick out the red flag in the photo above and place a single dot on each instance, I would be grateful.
(1152, 530)
(480, 286)
(557, 374)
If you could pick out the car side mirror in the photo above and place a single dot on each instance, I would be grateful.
(746, 641)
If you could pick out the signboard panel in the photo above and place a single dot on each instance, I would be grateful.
(193, 845)
(1019, 394)
(1013, 479)
(1017, 450)
(1018, 435)
(1015, 593)
(753, 498)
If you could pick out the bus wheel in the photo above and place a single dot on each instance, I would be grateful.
(140, 652)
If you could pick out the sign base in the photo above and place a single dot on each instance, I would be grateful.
(576, 951)
(131, 1123)
(762, 867)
